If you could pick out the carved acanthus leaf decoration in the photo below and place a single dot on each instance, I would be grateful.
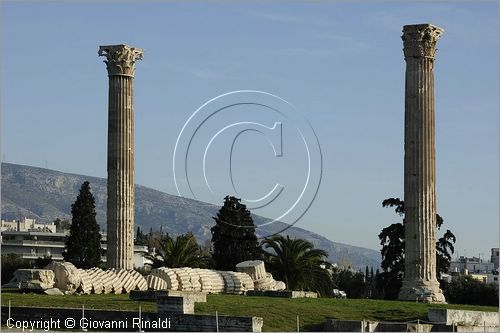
(420, 40)
(120, 59)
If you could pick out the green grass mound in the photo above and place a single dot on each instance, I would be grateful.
(280, 314)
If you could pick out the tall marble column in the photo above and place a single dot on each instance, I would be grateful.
(120, 62)
(420, 280)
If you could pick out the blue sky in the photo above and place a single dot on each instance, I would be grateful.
(340, 64)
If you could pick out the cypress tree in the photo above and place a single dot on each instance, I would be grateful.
(233, 235)
(83, 245)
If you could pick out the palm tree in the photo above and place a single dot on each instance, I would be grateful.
(297, 263)
(184, 251)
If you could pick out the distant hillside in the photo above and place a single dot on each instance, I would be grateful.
(47, 194)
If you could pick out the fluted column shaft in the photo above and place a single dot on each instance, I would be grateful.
(120, 206)
(120, 173)
(420, 171)
(420, 280)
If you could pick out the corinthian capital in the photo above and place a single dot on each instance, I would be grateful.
(420, 40)
(120, 59)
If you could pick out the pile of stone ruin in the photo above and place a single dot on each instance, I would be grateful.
(60, 278)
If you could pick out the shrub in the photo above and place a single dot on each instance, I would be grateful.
(10, 263)
(467, 290)
(353, 283)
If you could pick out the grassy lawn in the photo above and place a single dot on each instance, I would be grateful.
(279, 313)
(105, 302)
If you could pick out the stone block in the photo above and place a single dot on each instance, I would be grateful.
(126, 279)
(246, 281)
(146, 295)
(279, 285)
(115, 282)
(197, 297)
(156, 283)
(53, 291)
(67, 277)
(463, 317)
(483, 328)
(34, 279)
(194, 278)
(168, 275)
(183, 279)
(217, 281)
(334, 325)
(86, 282)
(99, 279)
(254, 268)
(283, 293)
(174, 305)
(104, 279)
(11, 284)
(206, 281)
(140, 282)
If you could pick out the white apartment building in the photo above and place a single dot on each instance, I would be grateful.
(494, 256)
(472, 265)
(26, 224)
(478, 268)
(32, 240)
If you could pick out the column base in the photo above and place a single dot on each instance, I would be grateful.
(417, 290)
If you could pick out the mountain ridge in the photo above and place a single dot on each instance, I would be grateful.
(46, 194)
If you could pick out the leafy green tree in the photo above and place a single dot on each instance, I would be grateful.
(371, 285)
(206, 252)
(444, 249)
(42, 262)
(62, 225)
(393, 245)
(297, 263)
(10, 263)
(140, 237)
(233, 235)
(392, 239)
(183, 251)
(152, 237)
(353, 283)
(83, 245)
(467, 290)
